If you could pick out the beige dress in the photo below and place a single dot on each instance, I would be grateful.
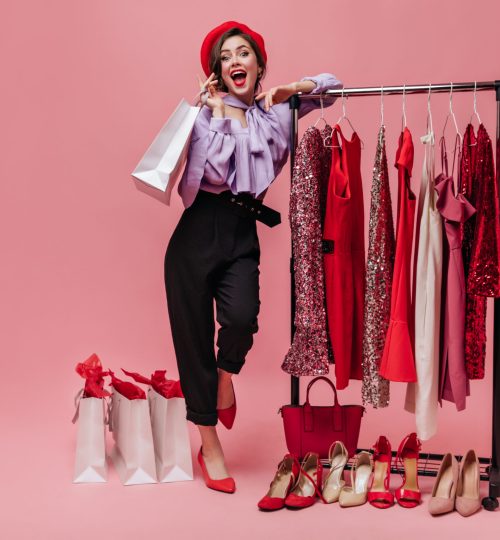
(422, 396)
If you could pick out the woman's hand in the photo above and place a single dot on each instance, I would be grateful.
(276, 95)
(209, 96)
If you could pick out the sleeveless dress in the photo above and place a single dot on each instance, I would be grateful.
(422, 396)
(398, 362)
(344, 265)
(379, 268)
(455, 210)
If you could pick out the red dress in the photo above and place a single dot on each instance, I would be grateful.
(475, 311)
(398, 361)
(344, 258)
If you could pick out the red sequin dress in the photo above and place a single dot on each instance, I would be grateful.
(484, 270)
(344, 267)
(379, 268)
(398, 362)
(475, 306)
(309, 353)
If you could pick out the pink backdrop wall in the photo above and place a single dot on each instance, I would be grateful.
(86, 86)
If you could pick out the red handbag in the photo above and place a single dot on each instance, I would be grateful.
(313, 428)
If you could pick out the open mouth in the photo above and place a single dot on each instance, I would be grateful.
(239, 77)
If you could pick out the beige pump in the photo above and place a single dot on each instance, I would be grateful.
(445, 487)
(468, 499)
(356, 494)
(334, 482)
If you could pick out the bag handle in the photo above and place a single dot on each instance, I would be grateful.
(326, 379)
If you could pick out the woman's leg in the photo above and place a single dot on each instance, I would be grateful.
(189, 262)
(212, 452)
(191, 312)
(238, 304)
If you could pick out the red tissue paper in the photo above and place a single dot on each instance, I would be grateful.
(166, 388)
(91, 370)
(127, 389)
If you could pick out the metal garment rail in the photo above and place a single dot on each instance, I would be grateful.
(492, 471)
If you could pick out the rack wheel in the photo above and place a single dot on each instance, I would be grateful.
(490, 503)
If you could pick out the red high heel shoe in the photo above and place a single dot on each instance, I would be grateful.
(283, 482)
(308, 485)
(225, 485)
(227, 415)
(408, 495)
(379, 494)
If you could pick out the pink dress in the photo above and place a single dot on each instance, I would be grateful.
(455, 210)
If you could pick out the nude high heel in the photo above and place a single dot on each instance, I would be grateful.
(468, 499)
(334, 482)
(356, 494)
(442, 498)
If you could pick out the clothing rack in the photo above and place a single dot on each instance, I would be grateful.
(429, 462)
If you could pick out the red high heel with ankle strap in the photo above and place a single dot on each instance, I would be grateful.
(225, 485)
(227, 415)
(408, 495)
(307, 488)
(283, 482)
(379, 494)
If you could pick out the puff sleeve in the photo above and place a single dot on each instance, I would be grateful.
(324, 82)
(210, 151)
(221, 145)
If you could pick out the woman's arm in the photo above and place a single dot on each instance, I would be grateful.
(316, 85)
(278, 96)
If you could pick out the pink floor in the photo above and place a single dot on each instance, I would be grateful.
(41, 501)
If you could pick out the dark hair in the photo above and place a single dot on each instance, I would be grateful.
(215, 58)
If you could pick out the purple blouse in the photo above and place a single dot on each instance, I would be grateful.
(224, 155)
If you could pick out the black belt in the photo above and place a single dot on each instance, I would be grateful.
(246, 205)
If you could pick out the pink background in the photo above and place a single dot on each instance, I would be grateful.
(86, 86)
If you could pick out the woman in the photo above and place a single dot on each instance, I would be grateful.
(239, 144)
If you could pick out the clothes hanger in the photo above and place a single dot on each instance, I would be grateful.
(429, 113)
(322, 117)
(381, 114)
(403, 118)
(475, 105)
(452, 114)
(475, 111)
(344, 117)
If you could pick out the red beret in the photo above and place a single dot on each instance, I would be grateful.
(213, 36)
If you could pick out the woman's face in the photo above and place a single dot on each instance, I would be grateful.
(237, 56)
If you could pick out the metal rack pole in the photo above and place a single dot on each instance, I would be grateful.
(407, 89)
(494, 473)
(490, 503)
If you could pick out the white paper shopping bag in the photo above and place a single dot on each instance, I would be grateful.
(133, 453)
(90, 461)
(171, 437)
(164, 160)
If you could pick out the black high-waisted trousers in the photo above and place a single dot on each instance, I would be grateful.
(213, 254)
